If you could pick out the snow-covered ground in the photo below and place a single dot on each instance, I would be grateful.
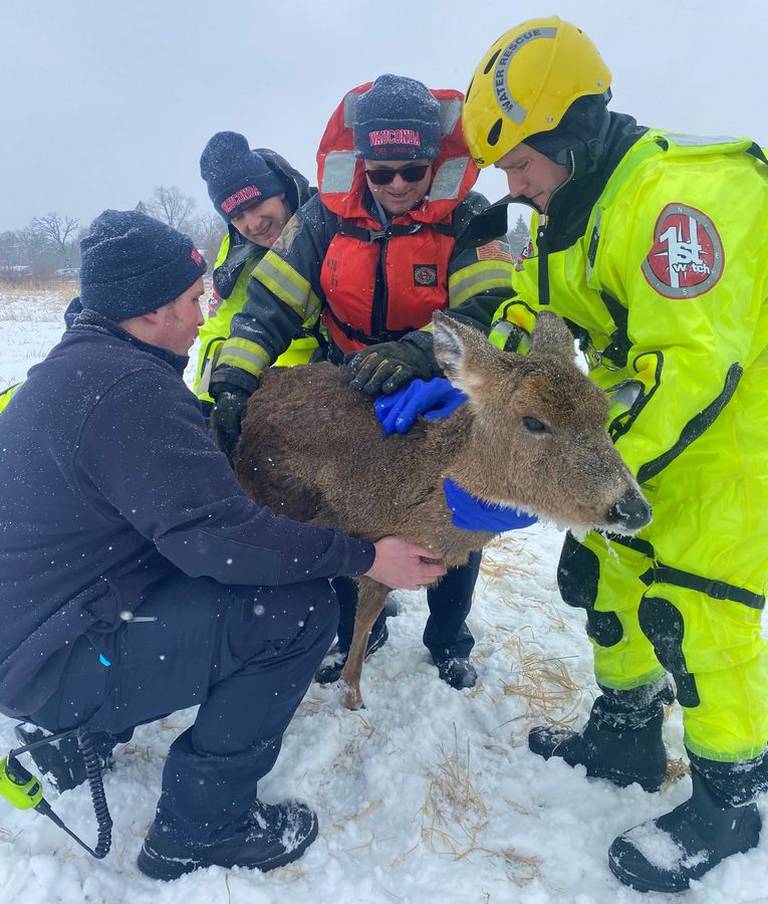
(428, 796)
(30, 323)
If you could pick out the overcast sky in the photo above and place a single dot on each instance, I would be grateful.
(101, 101)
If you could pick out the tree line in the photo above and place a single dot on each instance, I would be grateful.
(49, 246)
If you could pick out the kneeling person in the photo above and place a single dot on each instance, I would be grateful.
(136, 579)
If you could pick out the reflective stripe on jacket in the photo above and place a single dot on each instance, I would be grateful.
(236, 259)
(216, 328)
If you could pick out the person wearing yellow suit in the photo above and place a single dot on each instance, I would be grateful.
(256, 192)
(652, 246)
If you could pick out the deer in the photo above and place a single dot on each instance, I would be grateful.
(532, 434)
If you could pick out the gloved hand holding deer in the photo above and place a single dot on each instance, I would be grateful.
(231, 402)
(389, 366)
(432, 399)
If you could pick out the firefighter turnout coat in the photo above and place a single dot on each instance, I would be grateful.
(234, 263)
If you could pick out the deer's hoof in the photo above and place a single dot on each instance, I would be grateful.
(353, 699)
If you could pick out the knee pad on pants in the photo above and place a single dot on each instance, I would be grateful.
(663, 625)
(578, 576)
(719, 661)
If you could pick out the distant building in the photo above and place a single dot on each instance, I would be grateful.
(67, 273)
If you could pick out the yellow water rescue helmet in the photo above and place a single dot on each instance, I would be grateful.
(525, 83)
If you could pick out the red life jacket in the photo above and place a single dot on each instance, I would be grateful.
(411, 257)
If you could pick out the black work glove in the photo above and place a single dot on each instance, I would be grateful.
(384, 368)
(227, 415)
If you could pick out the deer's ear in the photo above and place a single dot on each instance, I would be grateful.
(461, 351)
(551, 336)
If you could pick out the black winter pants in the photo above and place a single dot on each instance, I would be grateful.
(245, 654)
(446, 634)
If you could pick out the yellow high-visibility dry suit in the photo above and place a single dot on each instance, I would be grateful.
(7, 394)
(666, 289)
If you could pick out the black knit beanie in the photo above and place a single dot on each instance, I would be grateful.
(397, 119)
(236, 176)
(132, 264)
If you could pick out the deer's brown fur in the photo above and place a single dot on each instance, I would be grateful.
(532, 434)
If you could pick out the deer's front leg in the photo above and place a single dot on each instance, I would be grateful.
(370, 602)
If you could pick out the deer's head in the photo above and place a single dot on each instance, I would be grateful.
(537, 437)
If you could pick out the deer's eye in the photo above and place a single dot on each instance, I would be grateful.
(534, 425)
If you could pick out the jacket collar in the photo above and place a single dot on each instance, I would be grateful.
(570, 209)
(88, 321)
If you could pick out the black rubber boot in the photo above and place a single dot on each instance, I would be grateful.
(272, 835)
(335, 659)
(621, 741)
(665, 854)
(457, 671)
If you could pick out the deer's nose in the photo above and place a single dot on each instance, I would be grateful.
(631, 511)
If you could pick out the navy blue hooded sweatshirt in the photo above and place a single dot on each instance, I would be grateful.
(111, 483)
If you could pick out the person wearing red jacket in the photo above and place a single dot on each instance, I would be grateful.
(383, 244)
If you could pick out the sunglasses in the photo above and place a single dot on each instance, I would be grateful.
(407, 173)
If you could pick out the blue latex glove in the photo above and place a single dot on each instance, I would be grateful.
(471, 513)
(432, 399)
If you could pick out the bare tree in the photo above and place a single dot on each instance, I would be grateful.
(14, 260)
(59, 232)
(171, 206)
(25, 253)
(207, 231)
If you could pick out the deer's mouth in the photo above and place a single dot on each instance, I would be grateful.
(626, 517)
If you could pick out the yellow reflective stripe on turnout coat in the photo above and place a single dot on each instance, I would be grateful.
(216, 329)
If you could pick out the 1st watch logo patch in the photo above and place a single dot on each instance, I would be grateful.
(686, 258)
